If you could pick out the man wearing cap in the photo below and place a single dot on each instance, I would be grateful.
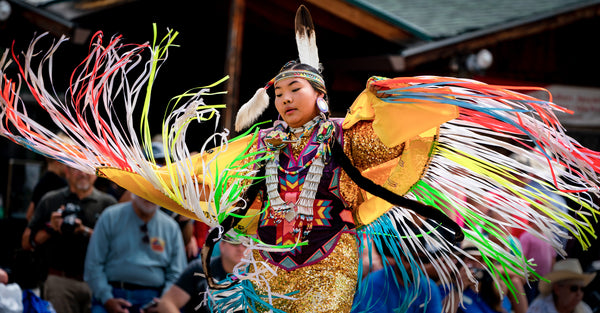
(487, 296)
(564, 292)
(135, 253)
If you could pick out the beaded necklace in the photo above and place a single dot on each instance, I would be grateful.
(309, 125)
(302, 210)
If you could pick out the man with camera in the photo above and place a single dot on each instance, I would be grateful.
(62, 225)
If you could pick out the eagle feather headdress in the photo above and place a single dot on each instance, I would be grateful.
(308, 53)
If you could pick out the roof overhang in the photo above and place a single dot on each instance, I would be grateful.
(58, 17)
(424, 52)
(364, 19)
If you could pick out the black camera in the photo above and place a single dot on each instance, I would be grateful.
(69, 214)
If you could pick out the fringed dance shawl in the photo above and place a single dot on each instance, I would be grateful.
(471, 165)
(459, 136)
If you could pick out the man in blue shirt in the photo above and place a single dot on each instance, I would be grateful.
(135, 253)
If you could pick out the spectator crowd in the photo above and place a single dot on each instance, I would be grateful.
(111, 251)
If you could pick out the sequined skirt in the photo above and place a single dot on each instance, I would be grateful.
(326, 286)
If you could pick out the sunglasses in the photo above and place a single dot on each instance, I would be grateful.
(575, 288)
(144, 229)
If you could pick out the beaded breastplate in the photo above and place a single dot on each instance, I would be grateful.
(303, 199)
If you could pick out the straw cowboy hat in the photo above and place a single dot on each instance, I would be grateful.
(566, 269)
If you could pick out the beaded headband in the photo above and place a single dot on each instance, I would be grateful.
(308, 75)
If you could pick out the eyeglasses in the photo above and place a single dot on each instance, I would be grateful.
(144, 229)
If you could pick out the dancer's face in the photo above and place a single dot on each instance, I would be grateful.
(295, 100)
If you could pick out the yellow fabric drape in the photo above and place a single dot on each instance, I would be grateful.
(414, 123)
(143, 188)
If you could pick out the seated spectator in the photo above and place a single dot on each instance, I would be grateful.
(30, 268)
(3, 277)
(186, 224)
(542, 254)
(135, 253)
(383, 294)
(14, 299)
(564, 292)
(197, 238)
(62, 224)
(188, 293)
(52, 179)
(370, 259)
(388, 289)
(10, 298)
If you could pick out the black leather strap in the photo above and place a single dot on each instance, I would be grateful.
(368, 185)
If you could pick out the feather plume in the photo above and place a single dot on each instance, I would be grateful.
(306, 39)
(251, 110)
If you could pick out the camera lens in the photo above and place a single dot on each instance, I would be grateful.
(69, 215)
(68, 224)
(478, 273)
